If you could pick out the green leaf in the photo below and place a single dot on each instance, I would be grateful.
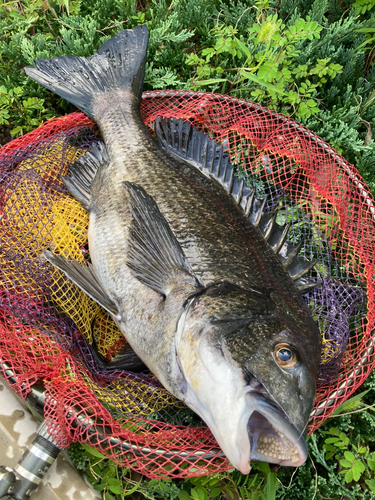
(4, 115)
(215, 492)
(268, 71)
(349, 456)
(369, 40)
(344, 438)
(117, 490)
(350, 404)
(346, 463)
(371, 484)
(349, 476)
(16, 130)
(183, 495)
(114, 481)
(197, 495)
(195, 480)
(303, 109)
(110, 472)
(359, 466)
(262, 466)
(311, 103)
(356, 474)
(243, 48)
(209, 82)
(93, 451)
(250, 76)
(202, 492)
(108, 496)
(271, 486)
(100, 487)
(132, 490)
(229, 492)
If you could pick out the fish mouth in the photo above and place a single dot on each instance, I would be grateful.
(272, 437)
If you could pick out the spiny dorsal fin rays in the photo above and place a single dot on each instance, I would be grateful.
(196, 148)
(275, 235)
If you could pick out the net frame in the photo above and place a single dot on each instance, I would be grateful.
(197, 107)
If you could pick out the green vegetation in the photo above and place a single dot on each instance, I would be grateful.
(310, 59)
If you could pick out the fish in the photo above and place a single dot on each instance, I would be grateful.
(200, 280)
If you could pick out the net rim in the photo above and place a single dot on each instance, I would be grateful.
(352, 173)
(367, 351)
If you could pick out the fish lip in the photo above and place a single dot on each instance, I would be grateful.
(284, 443)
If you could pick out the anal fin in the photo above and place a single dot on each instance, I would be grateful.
(124, 359)
(84, 277)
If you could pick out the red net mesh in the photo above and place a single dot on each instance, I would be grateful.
(46, 323)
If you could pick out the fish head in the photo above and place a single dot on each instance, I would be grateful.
(250, 371)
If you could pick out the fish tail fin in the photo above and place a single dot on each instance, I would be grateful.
(119, 64)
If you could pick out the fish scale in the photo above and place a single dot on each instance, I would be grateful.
(180, 259)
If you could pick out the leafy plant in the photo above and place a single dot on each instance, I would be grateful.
(362, 6)
(350, 458)
(116, 483)
(266, 57)
(26, 113)
(104, 475)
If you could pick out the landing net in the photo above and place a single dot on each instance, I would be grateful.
(46, 322)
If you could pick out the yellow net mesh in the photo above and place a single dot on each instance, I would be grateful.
(60, 223)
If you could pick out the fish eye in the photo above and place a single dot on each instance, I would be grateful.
(285, 356)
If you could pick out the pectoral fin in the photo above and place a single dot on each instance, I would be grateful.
(155, 256)
(84, 277)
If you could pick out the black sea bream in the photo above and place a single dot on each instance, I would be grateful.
(180, 259)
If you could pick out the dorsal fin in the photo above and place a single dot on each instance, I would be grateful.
(196, 148)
